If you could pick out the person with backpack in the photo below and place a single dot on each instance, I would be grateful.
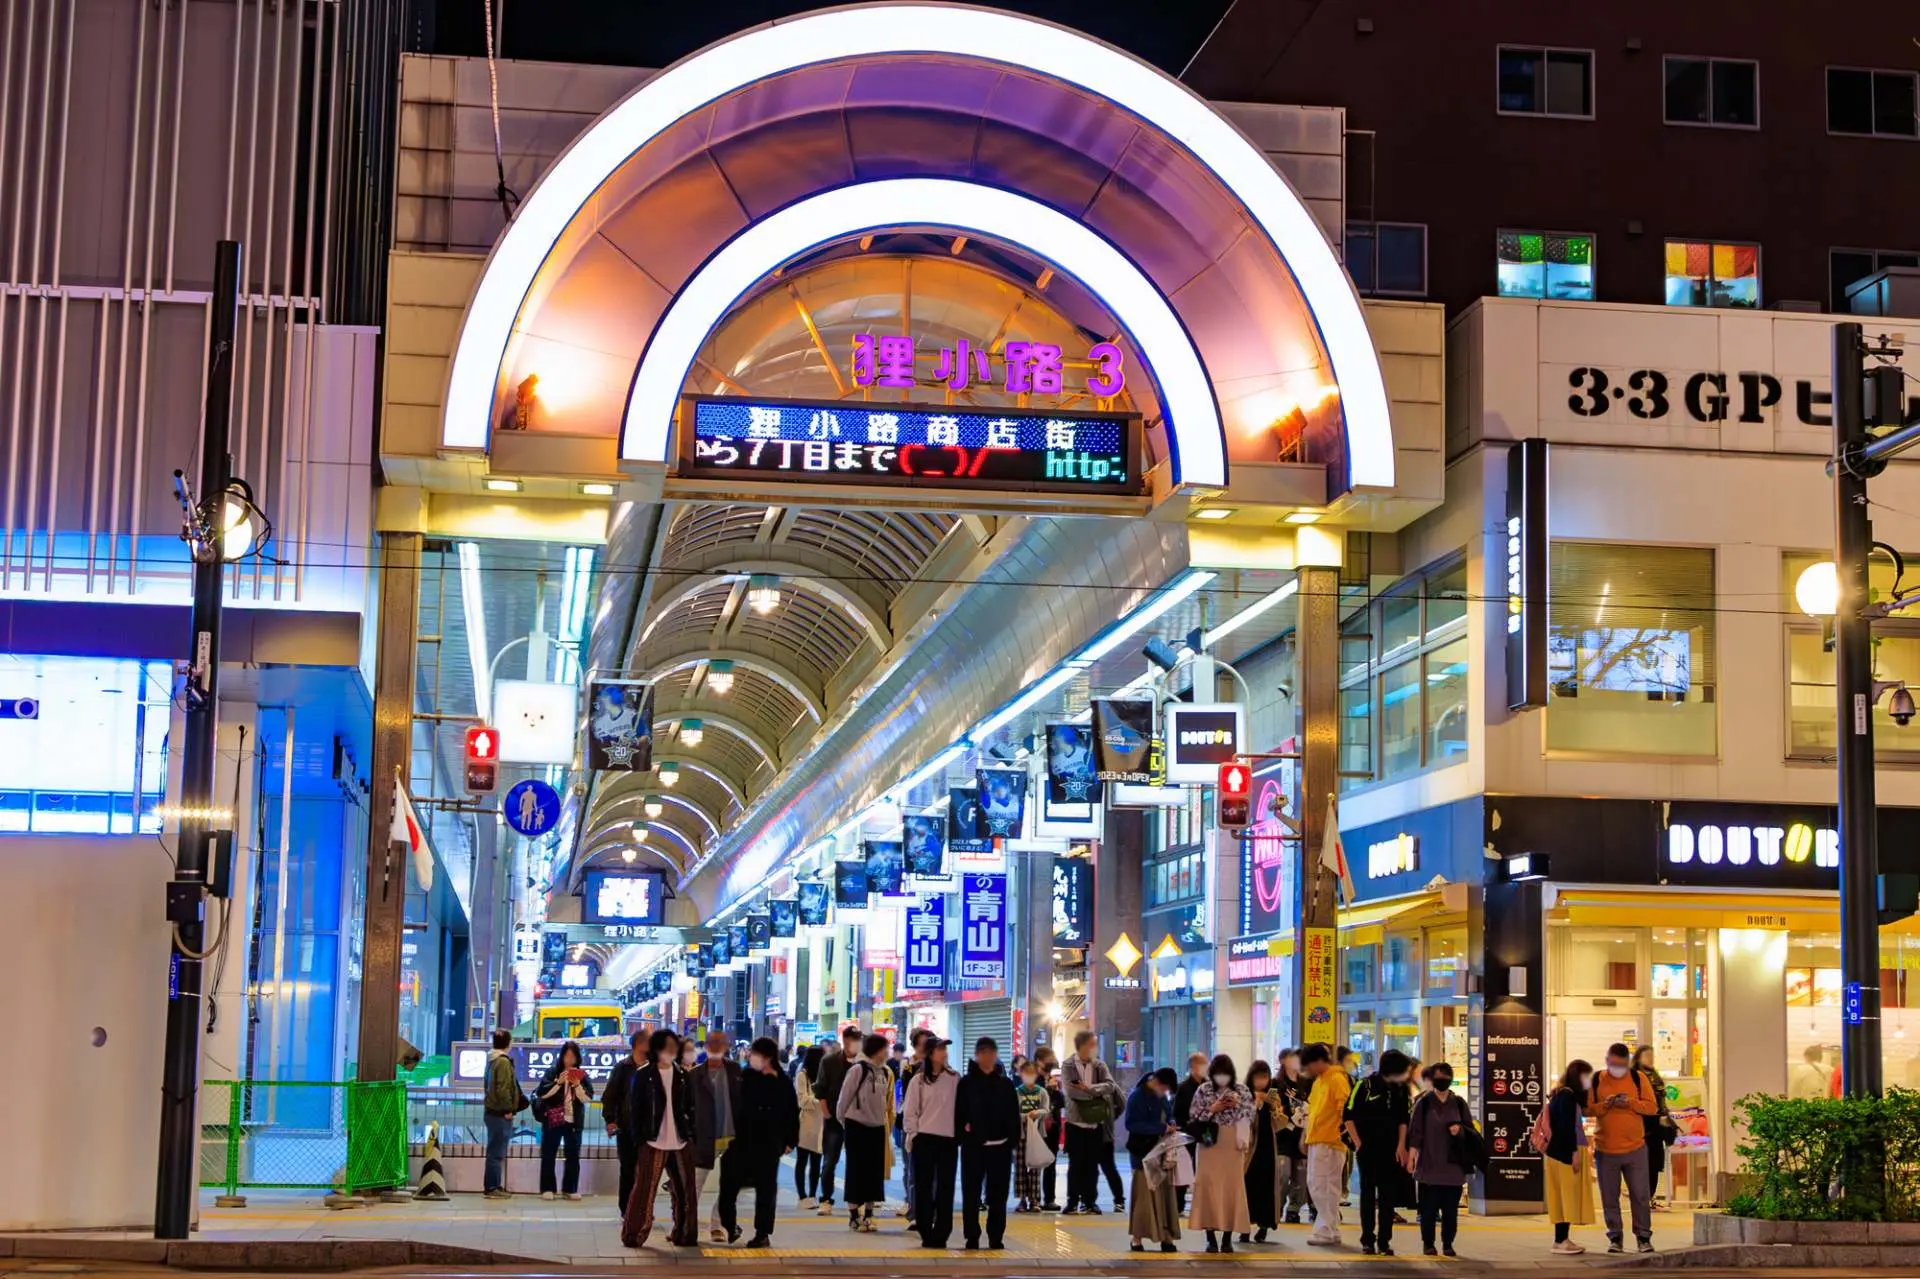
(503, 1101)
(865, 1111)
(1093, 1101)
(1620, 1102)
(1560, 1136)
(1435, 1133)
(1378, 1110)
(560, 1103)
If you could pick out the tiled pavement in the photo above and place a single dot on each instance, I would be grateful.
(587, 1233)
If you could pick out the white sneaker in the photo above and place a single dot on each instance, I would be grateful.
(809, 1203)
(546, 1194)
(1568, 1248)
(574, 1197)
(717, 1235)
(826, 1208)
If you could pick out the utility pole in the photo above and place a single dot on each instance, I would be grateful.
(1863, 399)
(186, 895)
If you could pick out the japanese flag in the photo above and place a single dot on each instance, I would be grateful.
(1333, 854)
(408, 830)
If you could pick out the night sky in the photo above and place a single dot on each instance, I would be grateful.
(653, 33)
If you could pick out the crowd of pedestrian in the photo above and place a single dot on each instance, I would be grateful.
(1225, 1154)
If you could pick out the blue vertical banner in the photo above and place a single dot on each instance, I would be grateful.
(983, 916)
(927, 944)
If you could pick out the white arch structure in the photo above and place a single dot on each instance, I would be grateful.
(1186, 394)
(980, 34)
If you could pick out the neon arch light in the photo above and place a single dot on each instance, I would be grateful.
(981, 34)
(1194, 433)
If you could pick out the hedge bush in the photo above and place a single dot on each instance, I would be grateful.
(1831, 1159)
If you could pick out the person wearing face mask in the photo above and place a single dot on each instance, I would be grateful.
(988, 1120)
(1262, 1178)
(1325, 1141)
(1219, 1200)
(1290, 1157)
(1620, 1102)
(1438, 1119)
(865, 1111)
(767, 1127)
(659, 1117)
(933, 1140)
(1036, 1109)
(1661, 1128)
(1569, 1184)
(1377, 1115)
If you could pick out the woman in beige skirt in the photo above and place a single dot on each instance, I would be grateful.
(1568, 1164)
(1218, 1203)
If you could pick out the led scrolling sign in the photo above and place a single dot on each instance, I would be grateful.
(910, 445)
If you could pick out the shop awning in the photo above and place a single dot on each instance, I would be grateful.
(1666, 908)
(1367, 924)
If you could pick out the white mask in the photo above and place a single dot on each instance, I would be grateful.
(1221, 1081)
(666, 1059)
(1618, 1072)
(1586, 1080)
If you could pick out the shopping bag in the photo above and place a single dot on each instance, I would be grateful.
(1183, 1166)
(1243, 1134)
(1036, 1153)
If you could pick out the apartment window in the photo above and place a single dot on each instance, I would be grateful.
(1847, 267)
(1403, 685)
(1812, 727)
(1388, 259)
(1630, 650)
(1545, 264)
(1711, 273)
(1555, 82)
(1879, 104)
(1719, 92)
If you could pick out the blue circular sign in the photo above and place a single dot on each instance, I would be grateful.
(532, 807)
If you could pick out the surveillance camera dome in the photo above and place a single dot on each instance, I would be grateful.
(1901, 707)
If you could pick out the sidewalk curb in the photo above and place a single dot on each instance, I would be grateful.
(1777, 1256)
(258, 1255)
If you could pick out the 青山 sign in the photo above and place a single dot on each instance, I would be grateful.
(1201, 736)
(910, 445)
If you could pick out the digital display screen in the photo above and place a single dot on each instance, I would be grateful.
(1623, 660)
(624, 897)
(909, 445)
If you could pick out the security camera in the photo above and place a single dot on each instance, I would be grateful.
(1160, 653)
(1901, 706)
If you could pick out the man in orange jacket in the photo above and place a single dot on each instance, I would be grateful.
(1620, 1101)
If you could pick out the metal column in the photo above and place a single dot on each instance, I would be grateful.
(1317, 724)
(387, 860)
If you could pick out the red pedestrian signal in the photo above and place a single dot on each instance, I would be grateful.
(1233, 804)
(483, 759)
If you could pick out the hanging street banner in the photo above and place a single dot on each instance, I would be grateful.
(1072, 772)
(1318, 975)
(722, 949)
(759, 932)
(1003, 801)
(1122, 740)
(850, 885)
(619, 725)
(925, 837)
(927, 944)
(1072, 902)
(738, 942)
(814, 896)
(983, 930)
(967, 822)
(885, 867)
(785, 913)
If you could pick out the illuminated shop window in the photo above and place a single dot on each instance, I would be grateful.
(94, 759)
(1631, 665)
(1546, 264)
(1706, 273)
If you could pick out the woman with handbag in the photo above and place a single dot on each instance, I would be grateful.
(560, 1104)
(1661, 1128)
(1218, 1204)
(1262, 1182)
(1035, 1155)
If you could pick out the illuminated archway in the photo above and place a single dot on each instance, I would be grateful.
(1155, 102)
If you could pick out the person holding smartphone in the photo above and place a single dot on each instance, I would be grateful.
(561, 1104)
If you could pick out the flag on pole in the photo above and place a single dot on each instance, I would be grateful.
(1333, 854)
(407, 830)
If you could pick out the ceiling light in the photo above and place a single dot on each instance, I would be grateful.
(640, 834)
(596, 488)
(763, 592)
(1304, 517)
(669, 774)
(1213, 513)
(653, 807)
(494, 484)
(691, 733)
(720, 676)
(628, 853)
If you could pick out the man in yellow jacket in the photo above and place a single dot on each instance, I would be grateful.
(1326, 1151)
(1620, 1101)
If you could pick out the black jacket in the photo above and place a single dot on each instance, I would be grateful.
(1183, 1104)
(769, 1115)
(646, 1099)
(1379, 1112)
(985, 1107)
(613, 1101)
(1565, 1115)
(833, 1073)
(1293, 1095)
